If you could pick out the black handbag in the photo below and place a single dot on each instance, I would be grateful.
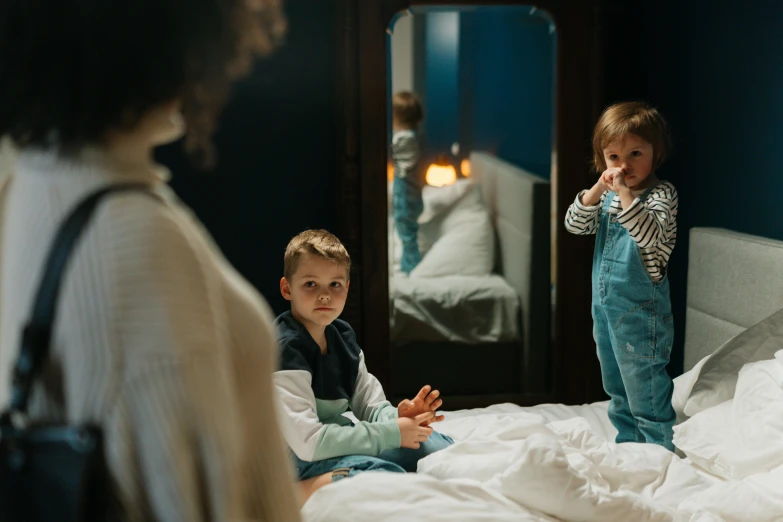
(51, 472)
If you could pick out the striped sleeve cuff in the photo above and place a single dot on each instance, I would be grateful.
(582, 219)
(584, 209)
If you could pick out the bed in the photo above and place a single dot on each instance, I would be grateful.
(556, 462)
(480, 298)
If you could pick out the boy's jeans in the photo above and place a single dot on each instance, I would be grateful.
(397, 460)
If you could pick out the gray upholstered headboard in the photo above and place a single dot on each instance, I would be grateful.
(519, 203)
(734, 281)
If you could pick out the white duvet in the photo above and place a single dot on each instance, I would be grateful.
(512, 463)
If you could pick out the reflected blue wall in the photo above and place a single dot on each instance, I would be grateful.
(488, 83)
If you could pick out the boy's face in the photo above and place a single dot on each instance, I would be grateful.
(317, 290)
(634, 156)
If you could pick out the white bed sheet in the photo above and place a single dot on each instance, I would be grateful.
(465, 309)
(545, 463)
(456, 423)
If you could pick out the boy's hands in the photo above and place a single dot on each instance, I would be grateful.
(425, 401)
(413, 431)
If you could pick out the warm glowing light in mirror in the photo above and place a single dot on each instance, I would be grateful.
(441, 175)
(390, 171)
(464, 167)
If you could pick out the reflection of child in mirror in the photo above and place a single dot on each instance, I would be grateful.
(407, 203)
(633, 215)
(323, 374)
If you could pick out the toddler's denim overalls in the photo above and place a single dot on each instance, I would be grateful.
(407, 205)
(634, 331)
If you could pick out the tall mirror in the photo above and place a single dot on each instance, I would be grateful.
(471, 178)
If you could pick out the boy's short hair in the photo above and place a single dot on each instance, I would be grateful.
(320, 243)
(633, 117)
(406, 109)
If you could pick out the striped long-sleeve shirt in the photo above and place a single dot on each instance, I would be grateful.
(158, 340)
(651, 223)
(405, 154)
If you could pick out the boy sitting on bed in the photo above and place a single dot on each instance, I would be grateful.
(323, 374)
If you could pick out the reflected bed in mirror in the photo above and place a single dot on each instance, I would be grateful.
(473, 317)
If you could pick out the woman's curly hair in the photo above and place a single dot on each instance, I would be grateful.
(70, 70)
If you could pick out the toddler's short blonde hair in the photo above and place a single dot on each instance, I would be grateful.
(406, 109)
(624, 118)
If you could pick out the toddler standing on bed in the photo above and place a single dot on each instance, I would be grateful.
(407, 202)
(323, 374)
(633, 214)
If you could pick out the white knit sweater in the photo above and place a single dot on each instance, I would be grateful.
(158, 339)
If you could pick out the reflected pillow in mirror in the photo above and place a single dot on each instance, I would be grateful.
(466, 243)
(440, 203)
(437, 200)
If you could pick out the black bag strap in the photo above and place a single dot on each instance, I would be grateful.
(37, 334)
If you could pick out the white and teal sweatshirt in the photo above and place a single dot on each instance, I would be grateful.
(315, 390)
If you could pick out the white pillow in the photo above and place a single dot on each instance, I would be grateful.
(439, 199)
(438, 202)
(455, 211)
(717, 379)
(436, 199)
(682, 389)
(465, 246)
(440, 205)
(743, 435)
(703, 437)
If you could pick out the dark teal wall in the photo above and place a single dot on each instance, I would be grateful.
(508, 88)
(715, 69)
(442, 60)
(489, 83)
(277, 173)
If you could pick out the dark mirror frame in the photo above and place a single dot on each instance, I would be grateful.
(362, 140)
